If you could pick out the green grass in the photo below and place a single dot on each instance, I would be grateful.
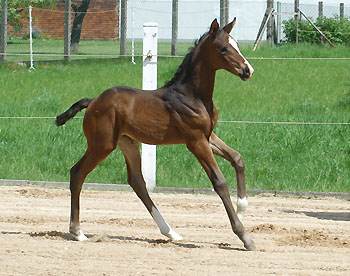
(52, 49)
(46, 49)
(281, 157)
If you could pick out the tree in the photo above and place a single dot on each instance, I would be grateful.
(80, 13)
(18, 9)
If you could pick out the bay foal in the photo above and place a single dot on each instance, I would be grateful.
(180, 112)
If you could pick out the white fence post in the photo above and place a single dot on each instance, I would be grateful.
(149, 82)
(31, 38)
(67, 28)
(132, 36)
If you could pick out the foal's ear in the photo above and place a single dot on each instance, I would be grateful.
(229, 26)
(214, 27)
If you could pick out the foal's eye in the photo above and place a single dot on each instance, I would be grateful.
(223, 49)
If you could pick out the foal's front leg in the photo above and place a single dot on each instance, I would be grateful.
(221, 149)
(202, 150)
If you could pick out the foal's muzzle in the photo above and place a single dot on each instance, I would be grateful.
(245, 72)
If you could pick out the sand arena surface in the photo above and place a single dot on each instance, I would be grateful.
(294, 236)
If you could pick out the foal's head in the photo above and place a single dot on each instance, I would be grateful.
(224, 52)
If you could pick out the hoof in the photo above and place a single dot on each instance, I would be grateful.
(173, 236)
(79, 236)
(248, 243)
(250, 246)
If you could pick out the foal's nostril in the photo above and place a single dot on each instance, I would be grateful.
(246, 71)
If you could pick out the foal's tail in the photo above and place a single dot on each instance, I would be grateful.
(72, 111)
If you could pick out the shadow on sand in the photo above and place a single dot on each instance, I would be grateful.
(336, 216)
(58, 235)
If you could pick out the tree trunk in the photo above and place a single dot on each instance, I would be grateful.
(80, 13)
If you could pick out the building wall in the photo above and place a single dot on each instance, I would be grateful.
(100, 23)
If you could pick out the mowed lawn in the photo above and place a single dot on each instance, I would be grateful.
(277, 156)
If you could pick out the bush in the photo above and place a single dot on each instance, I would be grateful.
(336, 29)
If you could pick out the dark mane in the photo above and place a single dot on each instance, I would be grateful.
(184, 66)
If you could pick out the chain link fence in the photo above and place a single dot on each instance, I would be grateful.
(100, 29)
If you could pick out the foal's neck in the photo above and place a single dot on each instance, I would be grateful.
(203, 76)
(196, 75)
(203, 81)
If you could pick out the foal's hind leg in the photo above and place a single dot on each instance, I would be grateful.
(131, 152)
(221, 149)
(202, 150)
(92, 157)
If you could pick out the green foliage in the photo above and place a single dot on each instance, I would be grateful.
(18, 10)
(336, 29)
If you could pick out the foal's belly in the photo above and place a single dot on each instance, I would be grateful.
(154, 132)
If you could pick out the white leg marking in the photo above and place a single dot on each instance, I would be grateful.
(80, 236)
(77, 234)
(164, 228)
(242, 204)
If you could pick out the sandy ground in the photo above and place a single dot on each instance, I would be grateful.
(294, 236)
